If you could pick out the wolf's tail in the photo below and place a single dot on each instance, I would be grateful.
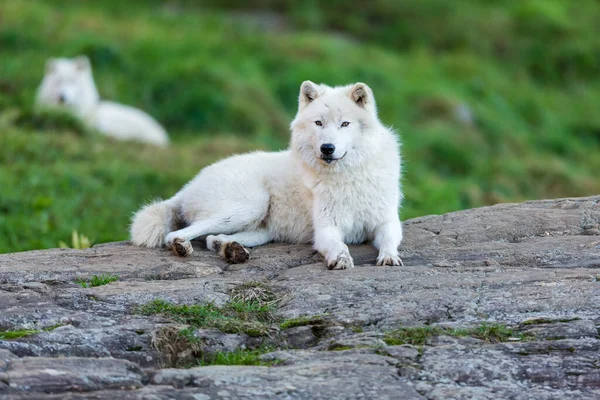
(151, 224)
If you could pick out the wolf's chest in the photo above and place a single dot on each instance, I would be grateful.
(356, 208)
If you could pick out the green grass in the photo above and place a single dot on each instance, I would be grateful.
(220, 83)
(17, 334)
(182, 348)
(251, 318)
(233, 317)
(340, 348)
(418, 336)
(21, 333)
(493, 333)
(357, 329)
(97, 280)
(78, 241)
(249, 310)
(302, 321)
(239, 357)
(542, 320)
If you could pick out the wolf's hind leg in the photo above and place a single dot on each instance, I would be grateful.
(232, 248)
(179, 241)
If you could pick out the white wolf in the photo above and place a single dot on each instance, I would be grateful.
(69, 84)
(337, 184)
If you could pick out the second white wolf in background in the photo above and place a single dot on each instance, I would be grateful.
(338, 184)
(69, 84)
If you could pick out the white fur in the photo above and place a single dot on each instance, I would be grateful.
(69, 84)
(294, 195)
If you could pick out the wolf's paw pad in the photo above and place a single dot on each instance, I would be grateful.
(235, 253)
(389, 259)
(182, 247)
(343, 261)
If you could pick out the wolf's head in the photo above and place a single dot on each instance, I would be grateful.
(68, 83)
(334, 125)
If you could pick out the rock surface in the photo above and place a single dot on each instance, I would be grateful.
(533, 267)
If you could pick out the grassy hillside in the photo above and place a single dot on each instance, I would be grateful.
(494, 102)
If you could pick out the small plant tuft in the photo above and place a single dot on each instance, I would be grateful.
(97, 280)
(233, 317)
(78, 241)
(493, 333)
(253, 292)
(179, 346)
(18, 333)
(335, 347)
(302, 321)
(183, 348)
(418, 336)
(249, 311)
(357, 329)
(21, 333)
(538, 321)
(239, 357)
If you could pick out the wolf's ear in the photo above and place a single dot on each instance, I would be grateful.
(362, 95)
(50, 65)
(308, 93)
(82, 63)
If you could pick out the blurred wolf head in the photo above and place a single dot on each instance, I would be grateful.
(68, 83)
(335, 126)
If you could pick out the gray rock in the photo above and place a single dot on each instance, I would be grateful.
(300, 337)
(561, 329)
(405, 352)
(347, 340)
(533, 267)
(540, 370)
(320, 375)
(52, 375)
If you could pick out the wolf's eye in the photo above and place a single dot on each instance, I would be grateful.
(319, 123)
(345, 124)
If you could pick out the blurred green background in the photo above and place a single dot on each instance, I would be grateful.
(495, 101)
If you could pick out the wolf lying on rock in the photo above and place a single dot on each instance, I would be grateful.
(337, 184)
(69, 84)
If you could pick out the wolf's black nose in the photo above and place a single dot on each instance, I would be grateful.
(327, 149)
(62, 98)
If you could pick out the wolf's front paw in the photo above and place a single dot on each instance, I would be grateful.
(182, 247)
(342, 261)
(389, 259)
